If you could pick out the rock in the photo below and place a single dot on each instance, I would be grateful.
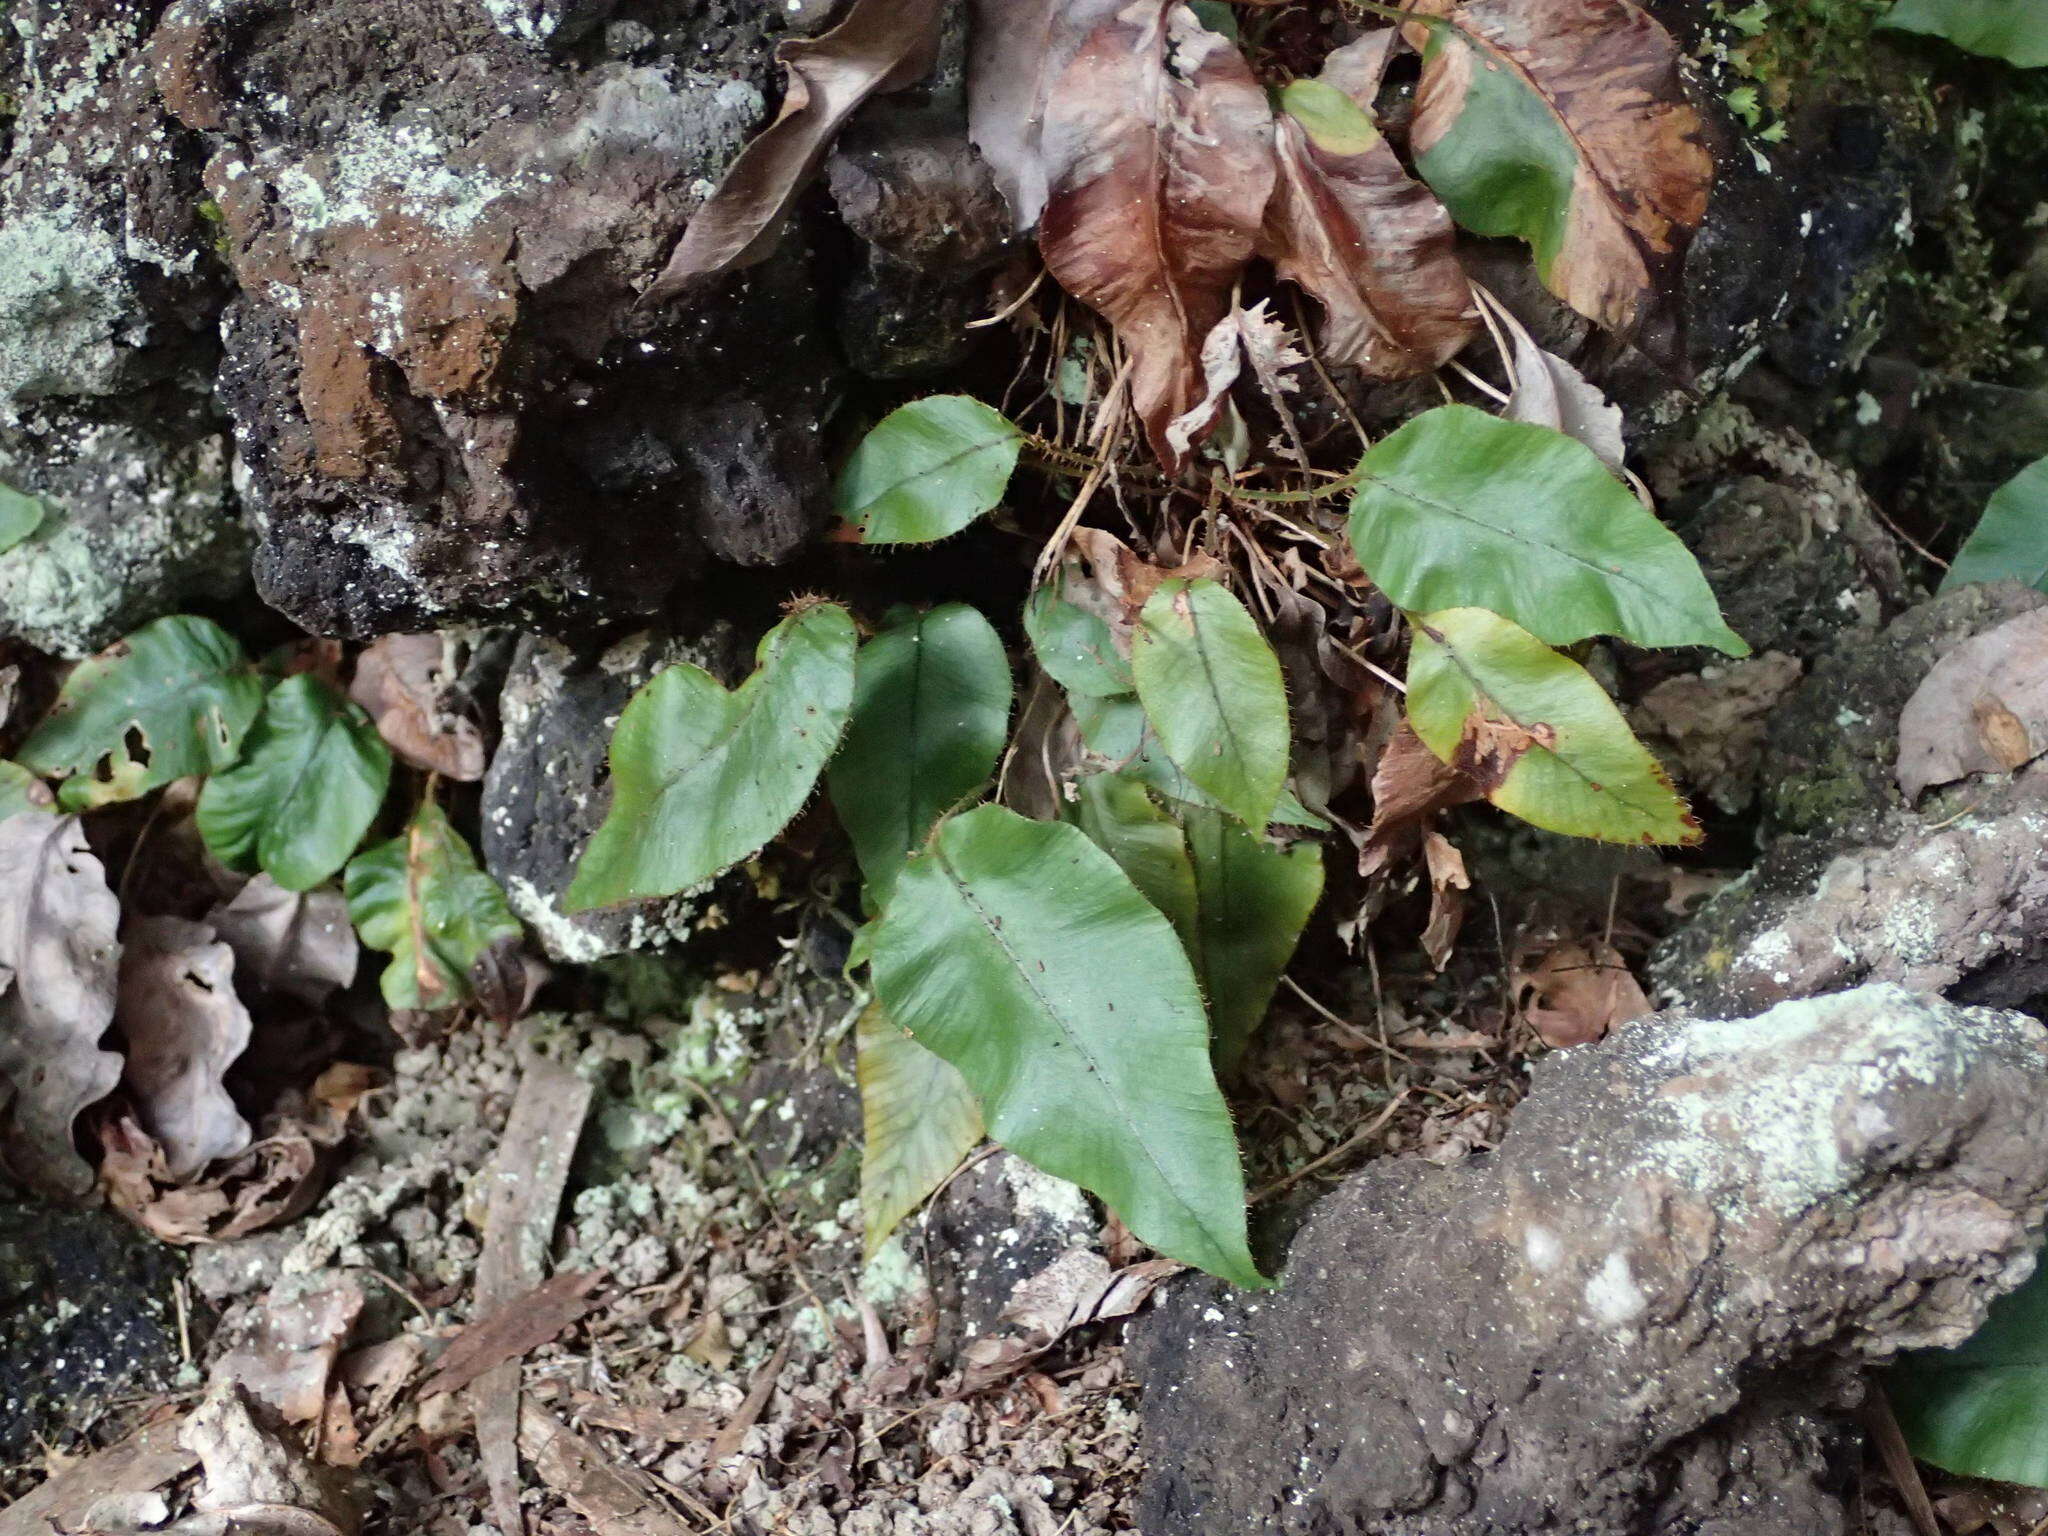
(1645, 1313)
(1000, 1222)
(544, 795)
(448, 401)
(1854, 885)
(101, 236)
(84, 1316)
(136, 525)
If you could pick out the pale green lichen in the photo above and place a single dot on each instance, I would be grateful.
(65, 305)
(1758, 1110)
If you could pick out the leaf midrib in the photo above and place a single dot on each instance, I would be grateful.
(1619, 575)
(1095, 1070)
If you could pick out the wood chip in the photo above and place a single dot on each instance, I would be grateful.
(525, 1194)
(514, 1330)
(618, 1499)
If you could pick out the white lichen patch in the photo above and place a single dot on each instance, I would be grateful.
(65, 302)
(1776, 1109)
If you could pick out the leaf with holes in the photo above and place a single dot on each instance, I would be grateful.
(174, 698)
(2013, 30)
(2010, 542)
(1019, 952)
(311, 780)
(1351, 227)
(1459, 509)
(1159, 146)
(1253, 901)
(1536, 733)
(1978, 1409)
(1565, 123)
(928, 470)
(1212, 690)
(183, 1028)
(422, 900)
(931, 710)
(919, 1118)
(703, 778)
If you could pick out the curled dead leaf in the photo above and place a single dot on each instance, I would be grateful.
(402, 681)
(296, 944)
(1606, 168)
(882, 45)
(1575, 991)
(1158, 144)
(59, 963)
(183, 1026)
(1410, 785)
(282, 1350)
(1020, 48)
(1982, 708)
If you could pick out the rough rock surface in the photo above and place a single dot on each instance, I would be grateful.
(1855, 885)
(85, 1304)
(449, 404)
(545, 794)
(1642, 1314)
(135, 525)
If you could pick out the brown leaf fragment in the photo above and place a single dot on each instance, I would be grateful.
(146, 1461)
(1550, 392)
(514, 1330)
(616, 1497)
(59, 963)
(1982, 708)
(183, 1027)
(282, 1350)
(882, 45)
(273, 1181)
(1576, 991)
(1019, 49)
(727, 1441)
(401, 681)
(1448, 882)
(297, 944)
(1371, 244)
(1242, 335)
(1158, 144)
(1635, 171)
(506, 979)
(1410, 785)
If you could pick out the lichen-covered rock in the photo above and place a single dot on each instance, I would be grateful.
(85, 1305)
(545, 793)
(1644, 1313)
(1853, 884)
(449, 402)
(135, 526)
(101, 235)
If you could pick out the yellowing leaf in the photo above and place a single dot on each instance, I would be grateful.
(422, 900)
(1159, 143)
(920, 1119)
(172, 699)
(1537, 734)
(1565, 123)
